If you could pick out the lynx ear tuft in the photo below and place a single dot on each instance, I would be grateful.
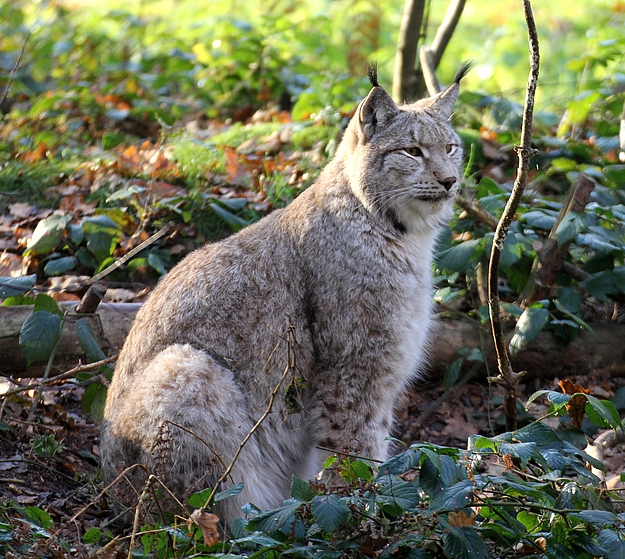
(372, 73)
(463, 71)
(444, 101)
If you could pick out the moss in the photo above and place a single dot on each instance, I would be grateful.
(306, 137)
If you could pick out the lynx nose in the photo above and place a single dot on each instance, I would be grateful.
(448, 182)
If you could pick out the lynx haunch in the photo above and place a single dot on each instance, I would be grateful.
(342, 275)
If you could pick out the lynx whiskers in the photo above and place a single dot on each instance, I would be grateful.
(345, 269)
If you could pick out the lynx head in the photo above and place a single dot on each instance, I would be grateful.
(403, 162)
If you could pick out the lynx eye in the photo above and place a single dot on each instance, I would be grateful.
(450, 148)
(416, 152)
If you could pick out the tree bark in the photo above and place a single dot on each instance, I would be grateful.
(406, 83)
(547, 356)
(413, 80)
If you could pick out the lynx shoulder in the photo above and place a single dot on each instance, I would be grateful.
(329, 299)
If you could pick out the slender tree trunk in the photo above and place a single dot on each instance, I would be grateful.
(406, 82)
(415, 67)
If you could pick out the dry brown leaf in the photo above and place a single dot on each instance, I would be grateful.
(577, 404)
(208, 524)
(460, 519)
(508, 462)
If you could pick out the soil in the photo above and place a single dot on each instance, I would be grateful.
(64, 482)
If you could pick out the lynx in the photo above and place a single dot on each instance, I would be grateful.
(338, 284)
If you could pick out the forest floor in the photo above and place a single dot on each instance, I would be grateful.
(59, 474)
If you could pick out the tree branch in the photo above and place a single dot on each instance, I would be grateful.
(446, 30)
(507, 378)
(14, 70)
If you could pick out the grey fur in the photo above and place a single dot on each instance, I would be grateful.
(345, 268)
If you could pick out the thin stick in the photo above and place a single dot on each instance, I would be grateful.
(507, 378)
(62, 376)
(145, 244)
(290, 366)
(14, 70)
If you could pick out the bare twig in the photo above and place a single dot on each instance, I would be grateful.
(14, 70)
(476, 210)
(290, 367)
(64, 376)
(446, 30)
(90, 300)
(120, 262)
(507, 378)
(430, 57)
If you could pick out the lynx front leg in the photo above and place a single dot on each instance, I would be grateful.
(356, 427)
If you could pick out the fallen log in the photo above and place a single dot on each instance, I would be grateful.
(546, 357)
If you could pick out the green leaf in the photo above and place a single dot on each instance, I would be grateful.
(277, 520)
(452, 373)
(464, 543)
(523, 451)
(37, 516)
(39, 335)
(402, 462)
(528, 519)
(619, 399)
(618, 275)
(455, 497)
(599, 285)
(59, 266)
(396, 495)
(599, 518)
(10, 287)
(44, 302)
(556, 398)
(93, 400)
(125, 193)
(538, 219)
(92, 535)
(536, 432)
(329, 512)
(88, 340)
(157, 263)
(613, 543)
(456, 258)
(198, 499)
(234, 221)
(577, 321)
(111, 139)
(602, 413)
(531, 323)
(234, 203)
(572, 225)
(479, 442)
(18, 301)
(47, 235)
(102, 244)
(102, 234)
(230, 492)
(301, 490)
(615, 173)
